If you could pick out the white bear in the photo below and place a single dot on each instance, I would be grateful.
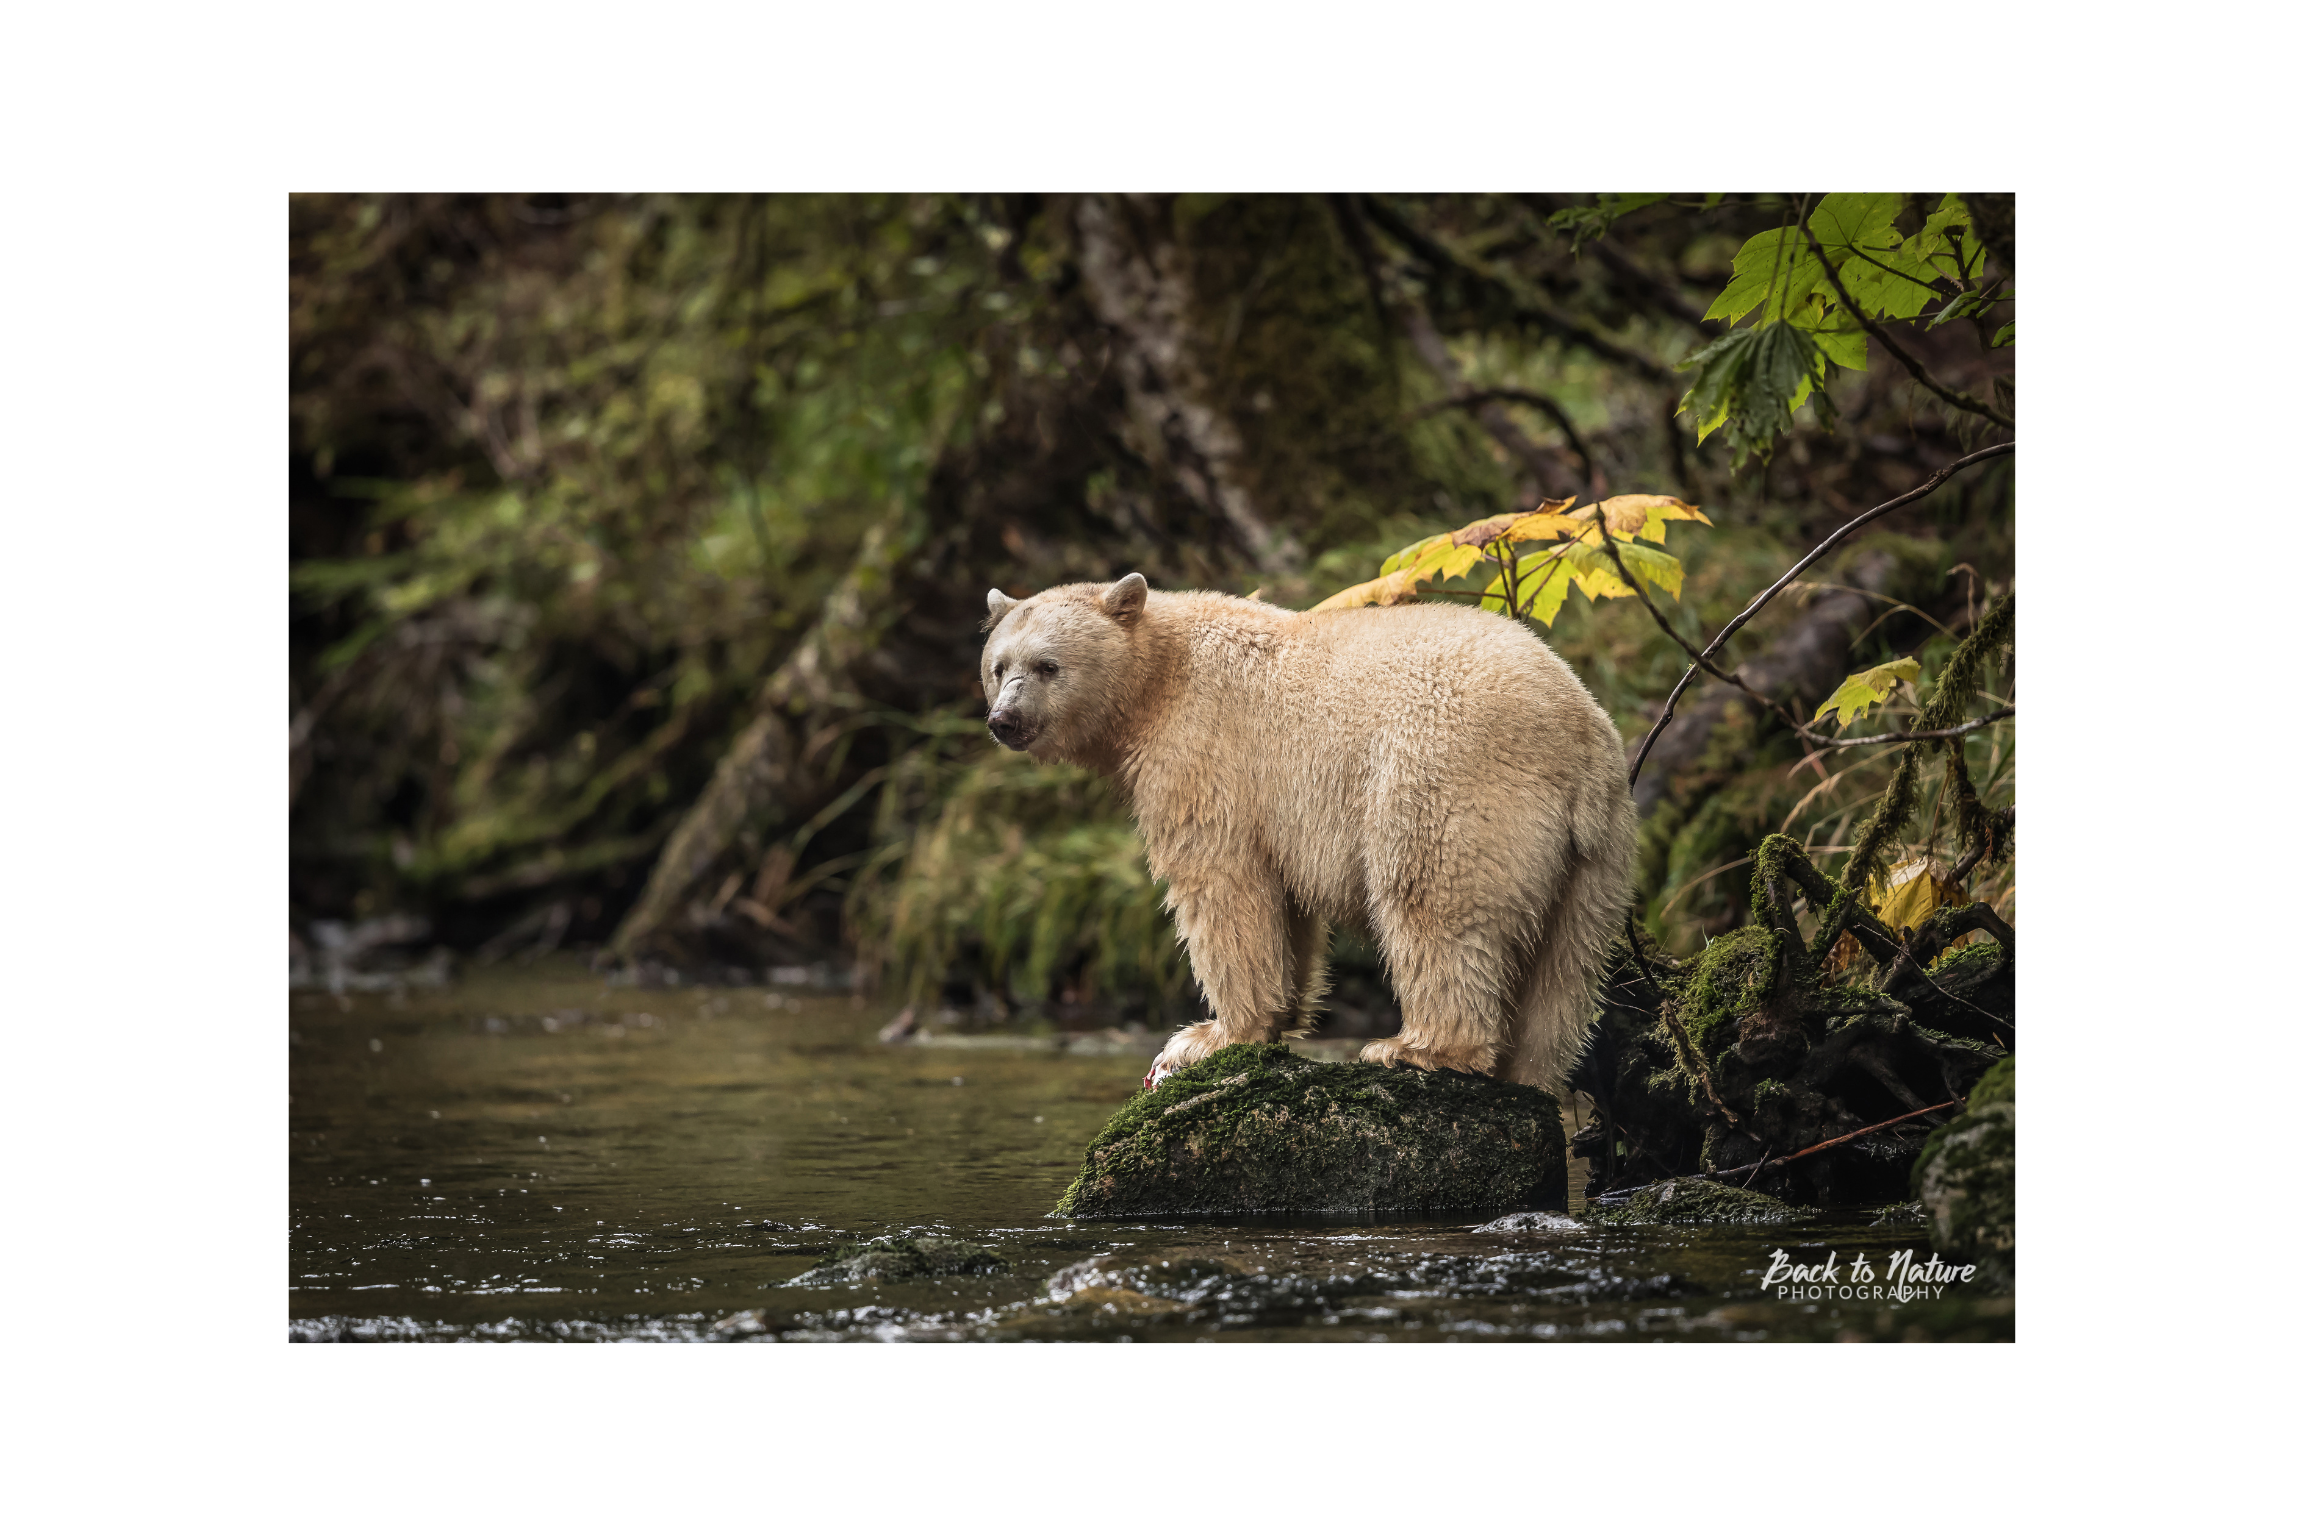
(1432, 774)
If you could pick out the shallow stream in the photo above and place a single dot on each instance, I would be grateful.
(532, 1154)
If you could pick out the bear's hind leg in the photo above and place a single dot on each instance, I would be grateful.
(1556, 1006)
(1453, 975)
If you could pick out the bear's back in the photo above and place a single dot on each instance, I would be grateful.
(1428, 658)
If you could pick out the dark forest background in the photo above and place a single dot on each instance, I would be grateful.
(638, 546)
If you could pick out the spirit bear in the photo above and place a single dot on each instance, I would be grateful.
(1431, 774)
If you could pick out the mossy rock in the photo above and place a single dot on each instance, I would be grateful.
(903, 1258)
(1966, 1179)
(1695, 1202)
(1996, 1086)
(1257, 1128)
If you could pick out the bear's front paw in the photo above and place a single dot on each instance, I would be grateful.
(1184, 1047)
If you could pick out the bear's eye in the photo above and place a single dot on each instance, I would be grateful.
(1046, 669)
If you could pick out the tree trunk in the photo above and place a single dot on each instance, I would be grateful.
(763, 772)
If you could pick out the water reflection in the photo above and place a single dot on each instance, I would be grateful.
(534, 1155)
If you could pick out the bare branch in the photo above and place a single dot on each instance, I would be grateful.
(1961, 729)
(1703, 659)
(1997, 450)
(1613, 1196)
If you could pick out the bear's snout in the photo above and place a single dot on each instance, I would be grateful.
(1009, 729)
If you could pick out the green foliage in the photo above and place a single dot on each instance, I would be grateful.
(657, 430)
(1750, 383)
(1792, 279)
(1028, 875)
(573, 477)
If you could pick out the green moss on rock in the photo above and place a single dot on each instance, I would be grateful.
(1258, 1128)
(1966, 1178)
(904, 1258)
(1996, 1086)
(1695, 1202)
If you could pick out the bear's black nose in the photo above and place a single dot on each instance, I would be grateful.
(1008, 728)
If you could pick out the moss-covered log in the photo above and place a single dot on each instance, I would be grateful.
(1757, 1049)
(1258, 1128)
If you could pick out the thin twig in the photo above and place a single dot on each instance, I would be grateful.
(1766, 1147)
(1907, 963)
(1806, 733)
(1997, 450)
(1893, 605)
(1822, 1146)
(1961, 729)
(1608, 540)
(1950, 997)
(1920, 375)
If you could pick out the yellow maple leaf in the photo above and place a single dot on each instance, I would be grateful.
(1644, 516)
(1447, 556)
(1545, 523)
(1903, 900)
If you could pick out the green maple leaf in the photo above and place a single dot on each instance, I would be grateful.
(1856, 696)
(1750, 382)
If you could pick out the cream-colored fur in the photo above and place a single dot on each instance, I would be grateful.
(1432, 774)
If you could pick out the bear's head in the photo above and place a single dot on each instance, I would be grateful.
(1058, 668)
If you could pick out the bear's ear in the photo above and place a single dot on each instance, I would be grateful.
(1123, 601)
(997, 603)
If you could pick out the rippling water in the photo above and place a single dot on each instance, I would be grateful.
(532, 1154)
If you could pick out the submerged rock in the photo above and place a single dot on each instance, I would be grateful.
(903, 1258)
(1258, 1128)
(1695, 1202)
(1150, 1286)
(1532, 1221)
(1966, 1177)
